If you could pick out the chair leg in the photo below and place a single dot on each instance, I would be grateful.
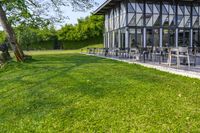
(144, 57)
(160, 58)
(170, 60)
(195, 60)
(188, 61)
(153, 58)
(178, 61)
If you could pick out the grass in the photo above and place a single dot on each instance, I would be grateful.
(69, 92)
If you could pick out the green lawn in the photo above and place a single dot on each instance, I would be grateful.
(69, 92)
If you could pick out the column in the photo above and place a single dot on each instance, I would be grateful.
(161, 37)
(114, 39)
(108, 41)
(144, 37)
(104, 40)
(176, 37)
(191, 37)
(127, 38)
(119, 38)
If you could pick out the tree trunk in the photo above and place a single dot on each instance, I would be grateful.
(11, 35)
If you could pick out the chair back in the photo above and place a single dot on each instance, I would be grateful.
(192, 50)
(183, 50)
(134, 50)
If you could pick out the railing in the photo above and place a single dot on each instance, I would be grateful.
(154, 54)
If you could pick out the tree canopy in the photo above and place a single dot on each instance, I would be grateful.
(34, 13)
(41, 12)
(89, 27)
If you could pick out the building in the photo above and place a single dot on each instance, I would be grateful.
(159, 23)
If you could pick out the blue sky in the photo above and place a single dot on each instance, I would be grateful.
(73, 16)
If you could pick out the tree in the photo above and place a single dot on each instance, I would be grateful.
(26, 36)
(34, 13)
(87, 28)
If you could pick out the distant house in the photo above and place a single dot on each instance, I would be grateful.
(142, 23)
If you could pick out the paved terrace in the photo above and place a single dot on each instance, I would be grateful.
(183, 70)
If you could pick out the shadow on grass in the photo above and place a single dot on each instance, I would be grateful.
(67, 89)
(38, 85)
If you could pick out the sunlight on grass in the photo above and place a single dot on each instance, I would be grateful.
(67, 92)
(50, 52)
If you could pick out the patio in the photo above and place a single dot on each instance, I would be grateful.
(179, 65)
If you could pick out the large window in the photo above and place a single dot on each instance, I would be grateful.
(106, 40)
(149, 14)
(187, 21)
(132, 39)
(139, 37)
(135, 13)
(195, 16)
(116, 17)
(149, 37)
(122, 14)
(165, 15)
(172, 38)
(172, 15)
(106, 23)
(122, 38)
(196, 38)
(184, 38)
(165, 38)
(116, 39)
(111, 20)
(132, 13)
(111, 39)
(139, 14)
(156, 37)
(180, 20)
(156, 15)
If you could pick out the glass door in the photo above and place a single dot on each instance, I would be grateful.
(172, 37)
(122, 38)
(187, 38)
(156, 35)
(149, 38)
(132, 38)
(165, 38)
(196, 38)
(184, 38)
(116, 39)
(139, 38)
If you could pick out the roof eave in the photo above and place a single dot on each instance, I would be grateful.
(105, 7)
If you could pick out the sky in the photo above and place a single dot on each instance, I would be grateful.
(73, 16)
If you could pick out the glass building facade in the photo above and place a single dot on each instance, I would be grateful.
(143, 23)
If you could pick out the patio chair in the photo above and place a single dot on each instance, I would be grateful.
(122, 52)
(134, 53)
(111, 52)
(89, 50)
(178, 53)
(193, 55)
(116, 52)
(105, 51)
(144, 53)
(158, 53)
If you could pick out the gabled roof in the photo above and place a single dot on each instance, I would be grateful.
(108, 4)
